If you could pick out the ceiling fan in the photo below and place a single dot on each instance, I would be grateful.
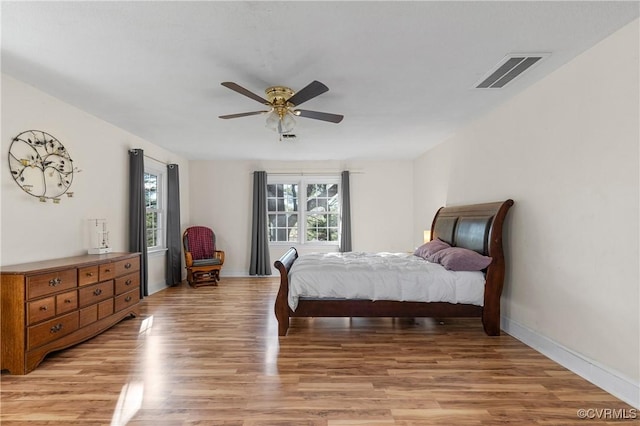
(282, 103)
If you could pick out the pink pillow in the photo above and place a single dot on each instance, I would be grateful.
(430, 248)
(460, 259)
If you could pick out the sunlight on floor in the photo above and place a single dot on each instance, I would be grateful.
(272, 347)
(146, 324)
(129, 402)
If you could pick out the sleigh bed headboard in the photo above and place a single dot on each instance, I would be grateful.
(476, 227)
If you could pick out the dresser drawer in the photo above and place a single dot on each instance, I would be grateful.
(45, 284)
(88, 315)
(128, 265)
(66, 302)
(105, 309)
(128, 282)
(107, 271)
(51, 330)
(127, 299)
(88, 275)
(95, 293)
(42, 309)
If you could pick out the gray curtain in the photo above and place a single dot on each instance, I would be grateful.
(173, 271)
(260, 261)
(137, 215)
(345, 234)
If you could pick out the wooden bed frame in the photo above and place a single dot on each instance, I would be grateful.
(477, 227)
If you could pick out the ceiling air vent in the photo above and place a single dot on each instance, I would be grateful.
(288, 137)
(510, 67)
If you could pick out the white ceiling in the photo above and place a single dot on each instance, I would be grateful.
(402, 73)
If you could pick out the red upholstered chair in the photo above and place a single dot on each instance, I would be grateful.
(201, 257)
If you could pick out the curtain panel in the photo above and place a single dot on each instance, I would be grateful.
(173, 270)
(260, 260)
(345, 223)
(137, 215)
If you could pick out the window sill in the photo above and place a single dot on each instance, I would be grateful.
(157, 252)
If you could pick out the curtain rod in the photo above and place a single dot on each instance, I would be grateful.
(155, 159)
(310, 173)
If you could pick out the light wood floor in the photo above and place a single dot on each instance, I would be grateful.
(211, 356)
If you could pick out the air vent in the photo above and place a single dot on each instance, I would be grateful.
(288, 137)
(508, 69)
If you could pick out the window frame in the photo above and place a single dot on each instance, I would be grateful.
(157, 169)
(303, 181)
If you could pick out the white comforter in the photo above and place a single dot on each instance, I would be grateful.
(381, 276)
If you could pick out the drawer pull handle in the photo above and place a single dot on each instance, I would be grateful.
(89, 274)
(127, 299)
(54, 282)
(127, 266)
(67, 300)
(107, 270)
(97, 292)
(43, 308)
(128, 282)
(56, 328)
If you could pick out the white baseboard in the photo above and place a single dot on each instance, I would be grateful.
(239, 274)
(610, 381)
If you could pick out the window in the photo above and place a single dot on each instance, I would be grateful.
(154, 203)
(303, 210)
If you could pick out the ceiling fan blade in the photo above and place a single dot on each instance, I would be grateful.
(242, 114)
(324, 116)
(237, 88)
(310, 91)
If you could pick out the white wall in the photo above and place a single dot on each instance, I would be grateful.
(566, 150)
(381, 204)
(31, 230)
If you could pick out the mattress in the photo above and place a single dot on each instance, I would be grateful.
(381, 276)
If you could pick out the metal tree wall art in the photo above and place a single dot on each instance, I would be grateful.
(41, 165)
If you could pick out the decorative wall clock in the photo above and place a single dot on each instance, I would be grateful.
(41, 165)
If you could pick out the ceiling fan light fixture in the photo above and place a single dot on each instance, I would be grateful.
(280, 122)
(287, 122)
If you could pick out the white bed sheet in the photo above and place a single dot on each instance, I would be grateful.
(381, 276)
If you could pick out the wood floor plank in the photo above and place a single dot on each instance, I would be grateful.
(212, 356)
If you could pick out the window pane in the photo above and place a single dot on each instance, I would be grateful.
(290, 203)
(333, 204)
(333, 220)
(151, 238)
(292, 220)
(333, 234)
(152, 220)
(151, 190)
(282, 235)
(279, 190)
(271, 204)
(332, 190)
(311, 190)
(271, 190)
(280, 203)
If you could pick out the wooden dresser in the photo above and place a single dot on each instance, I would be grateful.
(51, 305)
